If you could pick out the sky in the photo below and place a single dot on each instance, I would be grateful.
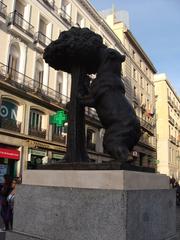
(156, 26)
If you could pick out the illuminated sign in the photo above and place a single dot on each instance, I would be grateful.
(58, 119)
(8, 110)
(9, 153)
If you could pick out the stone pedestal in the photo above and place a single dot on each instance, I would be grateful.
(95, 205)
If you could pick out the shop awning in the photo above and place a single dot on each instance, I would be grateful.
(9, 153)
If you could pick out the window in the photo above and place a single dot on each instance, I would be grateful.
(80, 21)
(147, 88)
(42, 26)
(135, 91)
(39, 73)
(91, 139)
(142, 82)
(13, 62)
(133, 54)
(42, 30)
(8, 110)
(59, 86)
(19, 7)
(140, 63)
(66, 10)
(35, 119)
(134, 73)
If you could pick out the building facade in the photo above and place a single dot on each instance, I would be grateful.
(31, 91)
(168, 127)
(138, 74)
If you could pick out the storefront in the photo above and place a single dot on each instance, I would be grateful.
(36, 157)
(8, 162)
(42, 153)
(57, 157)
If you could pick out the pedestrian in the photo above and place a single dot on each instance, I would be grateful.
(10, 200)
(172, 182)
(5, 190)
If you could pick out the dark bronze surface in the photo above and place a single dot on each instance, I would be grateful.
(81, 52)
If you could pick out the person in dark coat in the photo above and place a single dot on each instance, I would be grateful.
(5, 191)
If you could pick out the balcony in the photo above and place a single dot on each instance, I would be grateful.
(59, 138)
(147, 126)
(41, 40)
(171, 120)
(170, 101)
(65, 17)
(91, 113)
(18, 25)
(3, 8)
(146, 141)
(30, 86)
(172, 139)
(37, 132)
(10, 124)
(91, 146)
(49, 3)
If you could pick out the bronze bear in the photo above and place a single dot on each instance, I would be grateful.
(107, 96)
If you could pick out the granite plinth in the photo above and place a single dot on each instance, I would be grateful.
(123, 212)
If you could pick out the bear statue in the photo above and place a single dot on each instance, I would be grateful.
(106, 93)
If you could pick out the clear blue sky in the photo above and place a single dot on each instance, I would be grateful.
(156, 26)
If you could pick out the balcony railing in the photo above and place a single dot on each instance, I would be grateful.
(37, 132)
(176, 126)
(146, 142)
(10, 124)
(91, 113)
(3, 8)
(172, 139)
(171, 120)
(49, 3)
(27, 84)
(146, 125)
(41, 38)
(17, 20)
(63, 14)
(59, 138)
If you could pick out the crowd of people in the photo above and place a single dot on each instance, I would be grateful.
(7, 195)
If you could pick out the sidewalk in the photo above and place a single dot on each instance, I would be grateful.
(178, 222)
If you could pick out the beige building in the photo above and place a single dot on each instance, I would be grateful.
(138, 75)
(168, 127)
(31, 91)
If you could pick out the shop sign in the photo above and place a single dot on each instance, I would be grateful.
(9, 153)
(57, 156)
(37, 152)
(34, 144)
(58, 119)
(8, 110)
